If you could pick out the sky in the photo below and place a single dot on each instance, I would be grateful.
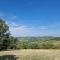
(31, 17)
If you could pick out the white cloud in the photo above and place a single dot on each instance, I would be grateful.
(22, 30)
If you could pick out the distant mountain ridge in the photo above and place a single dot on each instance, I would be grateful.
(39, 38)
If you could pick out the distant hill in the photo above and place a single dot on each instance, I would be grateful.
(38, 38)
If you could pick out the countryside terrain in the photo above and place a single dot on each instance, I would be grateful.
(30, 54)
(27, 48)
(29, 29)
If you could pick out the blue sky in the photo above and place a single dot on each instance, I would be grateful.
(31, 17)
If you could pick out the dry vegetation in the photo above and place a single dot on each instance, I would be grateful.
(33, 54)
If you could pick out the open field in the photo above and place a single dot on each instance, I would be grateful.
(30, 54)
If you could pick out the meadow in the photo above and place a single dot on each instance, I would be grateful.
(30, 54)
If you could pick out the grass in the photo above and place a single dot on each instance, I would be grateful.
(31, 54)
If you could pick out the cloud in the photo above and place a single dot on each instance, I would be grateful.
(19, 31)
(13, 24)
(22, 30)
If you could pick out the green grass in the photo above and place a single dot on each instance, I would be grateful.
(32, 54)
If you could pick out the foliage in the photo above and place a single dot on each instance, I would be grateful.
(39, 44)
(6, 41)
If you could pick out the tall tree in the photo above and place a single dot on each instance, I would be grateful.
(4, 35)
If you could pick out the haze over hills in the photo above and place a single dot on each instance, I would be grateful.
(39, 38)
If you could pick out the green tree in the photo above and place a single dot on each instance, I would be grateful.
(4, 35)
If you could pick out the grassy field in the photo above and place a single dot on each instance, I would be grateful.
(30, 54)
